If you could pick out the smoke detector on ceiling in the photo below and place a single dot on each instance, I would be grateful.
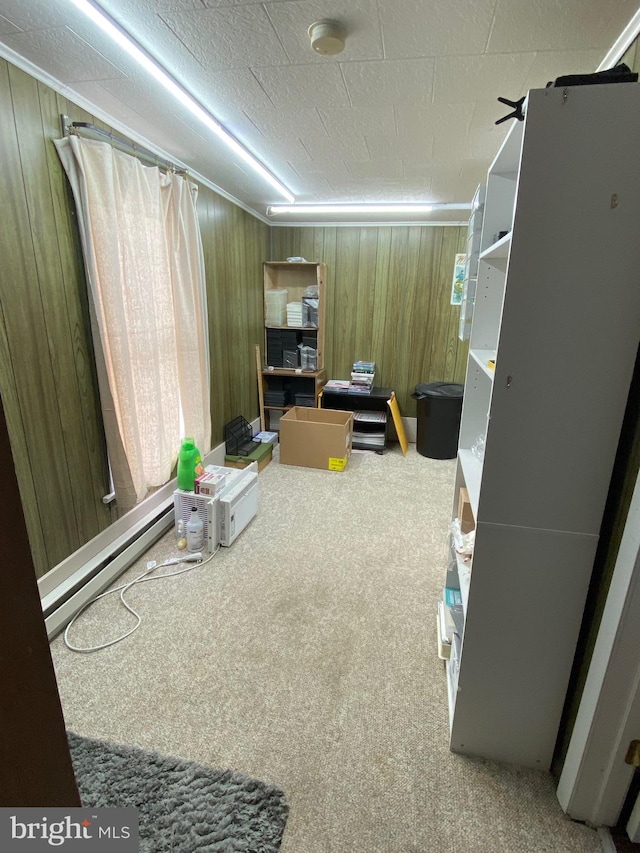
(327, 37)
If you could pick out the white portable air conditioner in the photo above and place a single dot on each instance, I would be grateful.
(238, 504)
(207, 506)
(225, 515)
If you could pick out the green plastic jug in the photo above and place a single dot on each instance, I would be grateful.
(189, 461)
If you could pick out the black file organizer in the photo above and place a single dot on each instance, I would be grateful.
(238, 438)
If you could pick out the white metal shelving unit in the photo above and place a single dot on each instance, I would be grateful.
(557, 308)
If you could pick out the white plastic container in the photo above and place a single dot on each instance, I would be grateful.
(195, 532)
(276, 307)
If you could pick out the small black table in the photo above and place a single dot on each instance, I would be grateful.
(371, 422)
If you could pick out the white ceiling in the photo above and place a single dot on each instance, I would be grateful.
(405, 113)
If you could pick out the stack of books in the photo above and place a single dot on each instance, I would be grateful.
(337, 385)
(362, 377)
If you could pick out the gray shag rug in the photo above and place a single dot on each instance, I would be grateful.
(183, 806)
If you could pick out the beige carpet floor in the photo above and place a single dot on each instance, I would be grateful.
(305, 655)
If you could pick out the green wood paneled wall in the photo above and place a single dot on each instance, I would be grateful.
(235, 245)
(388, 299)
(47, 374)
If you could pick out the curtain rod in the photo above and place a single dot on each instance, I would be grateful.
(75, 126)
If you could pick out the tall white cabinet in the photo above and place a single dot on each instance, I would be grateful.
(558, 309)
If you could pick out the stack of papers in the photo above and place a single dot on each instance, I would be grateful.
(294, 314)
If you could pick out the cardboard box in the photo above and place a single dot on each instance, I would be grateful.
(465, 514)
(316, 438)
(208, 483)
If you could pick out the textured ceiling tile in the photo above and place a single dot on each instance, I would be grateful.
(6, 27)
(475, 78)
(286, 174)
(228, 37)
(70, 58)
(314, 189)
(321, 166)
(347, 191)
(303, 86)
(419, 173)
(389, 170)
(351, 146)
(37, 14)
(277, 153)
(472, 174)
(144, 95)
(109, 102)
(359, 17)
(427, 119)
(484, 145)
(405, 81)
(444, 180)
(413, 28)
(486, 113)
(286, 123)
(143, 21)
(384, 146)
(558, 25)
(214, 4)
(364, 120)
(447, 147)
(128, 9)
(380, 190)
(228, 93)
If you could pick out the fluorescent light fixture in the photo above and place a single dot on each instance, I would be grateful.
(621, 44)
(126, 43)
(351, 208)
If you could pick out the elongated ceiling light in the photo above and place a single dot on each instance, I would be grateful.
(126, 43)
(347, 209)
(274, 209)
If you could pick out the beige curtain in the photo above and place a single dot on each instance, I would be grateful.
(145, 269)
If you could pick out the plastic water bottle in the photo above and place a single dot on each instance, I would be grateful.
(195, 531)
(181, 535)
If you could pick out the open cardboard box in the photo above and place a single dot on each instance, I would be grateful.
(316, 438)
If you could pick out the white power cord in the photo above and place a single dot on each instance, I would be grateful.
(151, 567)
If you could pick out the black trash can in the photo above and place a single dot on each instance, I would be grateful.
(439, 410)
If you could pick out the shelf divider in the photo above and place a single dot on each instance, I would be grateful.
(482, 357)
(499, 249)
